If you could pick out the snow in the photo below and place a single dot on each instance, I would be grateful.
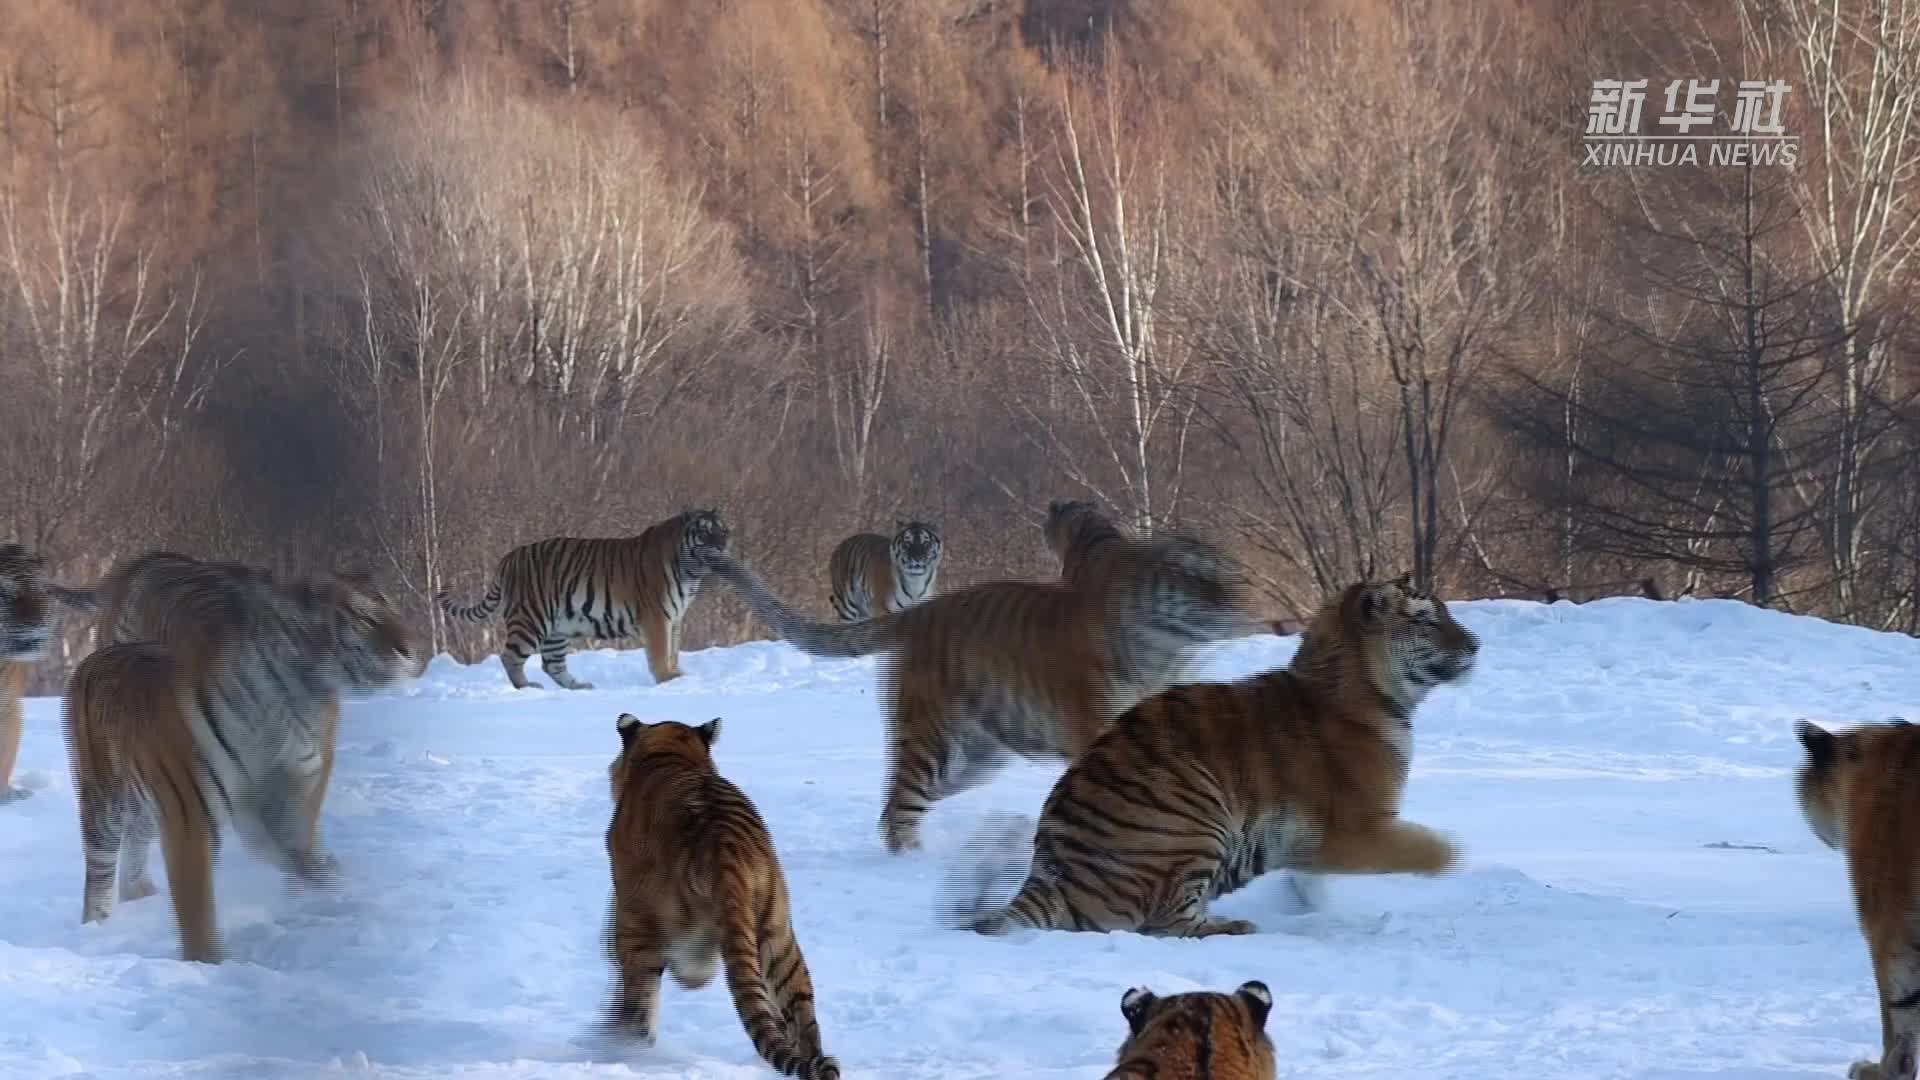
(1641, 896)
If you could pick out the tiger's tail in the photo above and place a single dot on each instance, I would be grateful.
(478, 613)
(844, 641)
(996, 860)
(758, 1002)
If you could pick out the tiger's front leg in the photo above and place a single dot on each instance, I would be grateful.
(660, 639)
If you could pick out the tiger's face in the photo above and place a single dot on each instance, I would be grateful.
(916, 546)
(706, 533)
(364, 642)
(1413, 642)
(25, 607)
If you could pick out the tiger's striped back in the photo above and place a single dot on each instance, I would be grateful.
(1203, 1035)
(563, 589)
(870, 575)
(697, 884)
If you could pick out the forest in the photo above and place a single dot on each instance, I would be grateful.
(395, 285)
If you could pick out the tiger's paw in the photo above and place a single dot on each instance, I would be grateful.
(9, 793)
(138, 889)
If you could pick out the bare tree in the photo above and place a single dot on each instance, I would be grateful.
(1859, 189)
(1100, 303)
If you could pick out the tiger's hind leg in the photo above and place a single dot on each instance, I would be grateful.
(185, 842)
(141, 832)
(103, 827)
(513, 657)
(13, 680)
(924, 766)
(639, 961)
(661, 640)
(553, 661)
(1184, 912)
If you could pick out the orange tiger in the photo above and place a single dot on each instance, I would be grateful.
(869, 575)
(222, 716)
(980, 675)
(696, 883)
(26, 631)
(1202, 788)
(1202, 1035)
(569, 588)
(1856, 791)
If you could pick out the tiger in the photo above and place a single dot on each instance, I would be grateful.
(696, 884)
(869, 573)
(980, 675)
(1203, 1035)
(211, 703)
(27, 600)
(1856, 791)
(1202, 788)
(1080, 535)
(570, 588)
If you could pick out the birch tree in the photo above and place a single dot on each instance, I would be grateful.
(1858, 185)
(1100, 296)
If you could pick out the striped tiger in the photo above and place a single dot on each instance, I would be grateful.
(27, 600)
(568, 588)
(980, 675)
(1855, 789)
(696, 884)
(1080, 536)
(1199, 1034)
(870, 575)
(214, 705)
(1202, 788)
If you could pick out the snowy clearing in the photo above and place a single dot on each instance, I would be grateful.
(1641, 899)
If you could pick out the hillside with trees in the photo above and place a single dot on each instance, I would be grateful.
(398, 284)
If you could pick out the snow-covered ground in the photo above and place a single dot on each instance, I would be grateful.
(1641, 897)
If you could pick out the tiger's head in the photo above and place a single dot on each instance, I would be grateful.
(358, 638)
(1405, 641)
(668, 738)
(26, 615)
(703, 532)
(1832, 767)
(1074, 524)
(916, 546)
(1171, 1031)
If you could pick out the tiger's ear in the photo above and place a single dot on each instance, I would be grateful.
(1258, 999)
(1135, 1005)
(629, 726)
(709, 732)
(1822, 745)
